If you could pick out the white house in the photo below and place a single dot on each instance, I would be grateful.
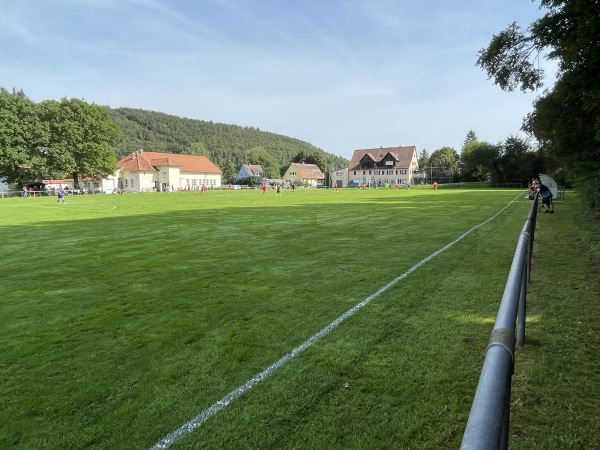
(378, 166)
(143, 171)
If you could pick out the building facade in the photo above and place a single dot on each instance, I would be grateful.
(308, 175)
(381, 166)
(143, 171)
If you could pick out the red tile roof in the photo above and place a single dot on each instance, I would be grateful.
(307, 171)
(403, 156)
(149, 161)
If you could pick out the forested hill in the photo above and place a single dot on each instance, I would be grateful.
(159, 132)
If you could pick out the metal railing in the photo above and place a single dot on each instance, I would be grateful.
(488, 424)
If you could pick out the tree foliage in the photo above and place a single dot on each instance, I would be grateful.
(21, 138)
(167, 133)
(566, 118)
(478, 158)
(423, 159)
(80, 139)
(315, 158)
(70, 138)
(517, 162)
(259, 156)
(443, 162)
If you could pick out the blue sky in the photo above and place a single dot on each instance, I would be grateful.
(340, 74)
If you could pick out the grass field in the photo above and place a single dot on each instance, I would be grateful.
(123, 317)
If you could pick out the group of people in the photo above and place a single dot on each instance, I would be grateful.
(545, 193)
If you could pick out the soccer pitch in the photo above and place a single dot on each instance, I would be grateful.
(124, 317)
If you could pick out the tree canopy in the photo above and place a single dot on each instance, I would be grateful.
(70, 138)
(161, 132)
(566, 118)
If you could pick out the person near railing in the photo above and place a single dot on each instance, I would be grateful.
(546, 195)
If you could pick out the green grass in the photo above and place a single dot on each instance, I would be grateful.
(557, 375)
(122, 317)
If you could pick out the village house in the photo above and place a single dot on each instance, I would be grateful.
(381, 166)
(249, 170)
(143, 171)
(308, 175)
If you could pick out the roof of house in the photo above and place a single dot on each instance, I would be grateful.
(403, 156)
(307, 171)
(149, 161)
(253, 170)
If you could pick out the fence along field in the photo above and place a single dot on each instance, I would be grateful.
(127, 316)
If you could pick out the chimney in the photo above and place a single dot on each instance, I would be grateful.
(133, 155)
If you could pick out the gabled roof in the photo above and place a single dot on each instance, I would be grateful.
(253, 170)
(149, 161)
(307, 171)
(403, 156)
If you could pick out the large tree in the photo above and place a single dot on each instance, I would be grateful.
(81, 139)
(478, 159)
(566, 118)
(259, 156)
(443, 162)
(22, 155)
(229, 170)
(517, 163)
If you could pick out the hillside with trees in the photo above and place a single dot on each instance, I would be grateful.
(226, 145)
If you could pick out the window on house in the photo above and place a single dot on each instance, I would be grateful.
(125, 182)
(132, 182)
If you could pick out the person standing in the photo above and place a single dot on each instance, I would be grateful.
(264, 189)
(435, 185)
(546, 195)
(60, 194)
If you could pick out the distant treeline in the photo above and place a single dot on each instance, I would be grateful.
(159, 132)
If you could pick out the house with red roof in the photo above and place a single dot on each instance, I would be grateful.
(381, 166)
(304, 174)
(143, 171)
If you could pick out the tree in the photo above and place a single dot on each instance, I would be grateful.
(517, 162)
(258, 155)
(316, 158)
(471, 137)
(423, 159)
(80, 139)
(443, 162)
(197, 149)
(478, 159)
(565, 119)
(229, 171)
(21, 135)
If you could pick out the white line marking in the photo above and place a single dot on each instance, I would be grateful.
(197, 421)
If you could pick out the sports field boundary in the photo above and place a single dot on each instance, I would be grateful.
(196, 422)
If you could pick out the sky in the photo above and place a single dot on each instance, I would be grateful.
(339, 74)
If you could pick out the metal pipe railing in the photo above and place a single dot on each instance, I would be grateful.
(488, 424)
